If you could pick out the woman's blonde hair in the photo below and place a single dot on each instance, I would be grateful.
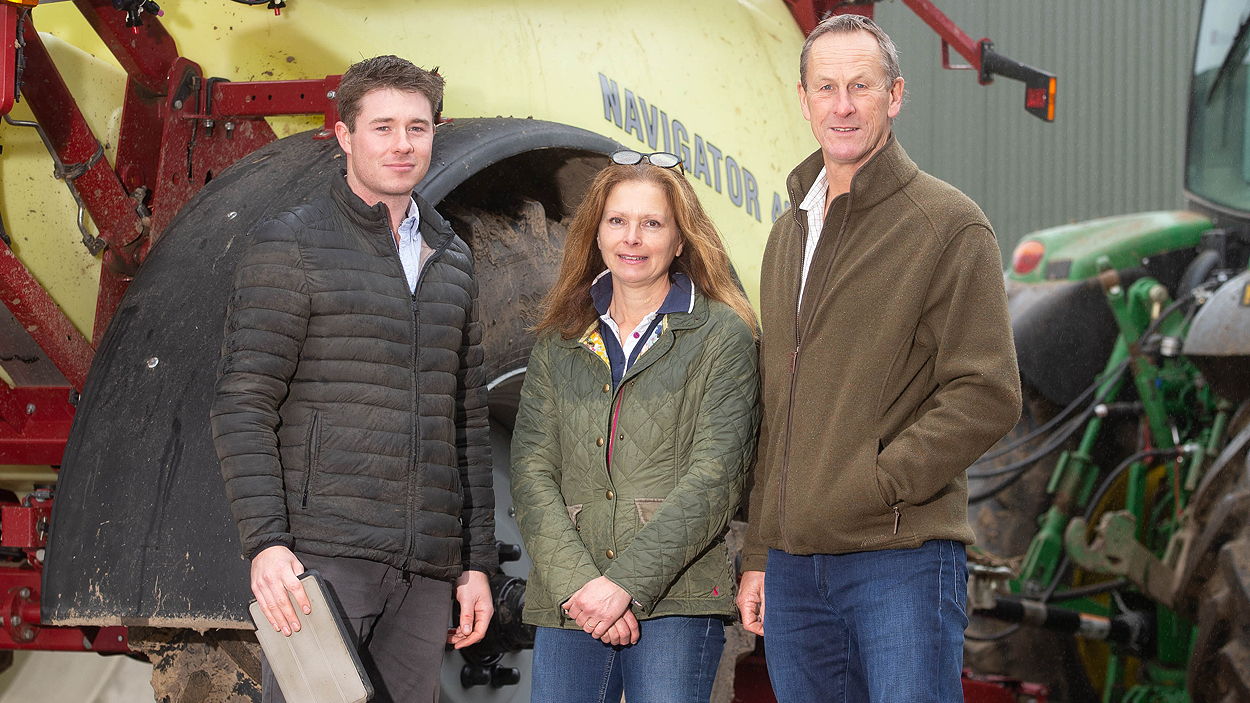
(568, 308)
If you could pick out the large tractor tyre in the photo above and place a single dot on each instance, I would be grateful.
(516, 245)
(1214, 587)
(142, 535)
(1004, 526)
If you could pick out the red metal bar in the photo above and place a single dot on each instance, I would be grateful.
(19, 598)
(12, 411)
(195, 146)
(809, 12)
(35, 310)
(112, 287)
(1001, 689)
(33, 431)
(101, 190)
(8, 55)
(266, 98)
(138, 153)
(25, 526)
(146, 53)
(950, 32)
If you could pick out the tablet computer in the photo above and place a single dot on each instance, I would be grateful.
(319, 663)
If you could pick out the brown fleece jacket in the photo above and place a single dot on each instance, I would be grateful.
(896, 373)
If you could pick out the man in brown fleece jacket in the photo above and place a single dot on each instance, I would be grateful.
(888, 368)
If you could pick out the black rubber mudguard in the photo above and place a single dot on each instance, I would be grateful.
(141, 532)
(1064, 335)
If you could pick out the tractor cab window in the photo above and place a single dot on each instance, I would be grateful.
(1218, 167)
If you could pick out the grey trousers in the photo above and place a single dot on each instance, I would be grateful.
(400, 627)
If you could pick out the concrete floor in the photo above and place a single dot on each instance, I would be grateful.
(75, 677)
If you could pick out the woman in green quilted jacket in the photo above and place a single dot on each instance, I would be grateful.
(636, 428)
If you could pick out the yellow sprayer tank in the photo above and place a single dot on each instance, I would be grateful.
(712, 81)
(140, 532)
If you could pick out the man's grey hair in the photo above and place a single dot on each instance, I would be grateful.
(847, 24)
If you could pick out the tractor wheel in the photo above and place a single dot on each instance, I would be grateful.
(1004, 526)
(516, 249)
(1214, 589)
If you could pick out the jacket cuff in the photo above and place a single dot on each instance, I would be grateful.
(283, 541)
(754, 561)
(754, 554)
(639, 601)
(486, 566)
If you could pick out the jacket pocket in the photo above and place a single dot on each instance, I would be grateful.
(876, 478)
(897, 507)
(645, 509)
(312, 447)
(574, 512)
(709, 576)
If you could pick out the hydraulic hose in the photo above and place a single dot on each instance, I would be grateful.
(1126, 628)
(1174, 452)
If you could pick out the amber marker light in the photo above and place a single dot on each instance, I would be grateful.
(1027, 256)
(1050, 99)
(1040, 100)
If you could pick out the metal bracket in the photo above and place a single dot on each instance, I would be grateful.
(1115, 550)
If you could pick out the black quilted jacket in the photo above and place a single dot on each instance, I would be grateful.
(350, 416)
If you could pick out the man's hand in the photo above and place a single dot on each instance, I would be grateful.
(476, 609)
(598, 605)
(751, 601)
(624, 631)
(275, 571)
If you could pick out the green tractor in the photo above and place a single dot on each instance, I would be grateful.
(1113, 559)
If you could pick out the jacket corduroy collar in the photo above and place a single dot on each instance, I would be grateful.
(680, 296)
(435, 231)
(676, 321)
(880, 177)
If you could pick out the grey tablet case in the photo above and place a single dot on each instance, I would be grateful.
(319, 663)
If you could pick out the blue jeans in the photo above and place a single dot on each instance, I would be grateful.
(881, 627)
(674, 661)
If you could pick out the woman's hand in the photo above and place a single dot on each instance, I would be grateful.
(623, 632)
(597, 606)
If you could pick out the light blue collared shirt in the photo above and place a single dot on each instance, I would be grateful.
(410, 245)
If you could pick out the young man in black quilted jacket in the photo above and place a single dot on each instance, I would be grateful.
(350, 416)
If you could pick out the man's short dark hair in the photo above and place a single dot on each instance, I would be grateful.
(382, 72)
(847, 24)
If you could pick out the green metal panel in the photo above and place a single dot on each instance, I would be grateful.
(1117, 143)
(1072, 251)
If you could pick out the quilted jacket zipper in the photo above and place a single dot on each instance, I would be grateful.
(313, 455)
(414, 437)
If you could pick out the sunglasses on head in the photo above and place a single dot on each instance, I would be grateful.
(663, 159)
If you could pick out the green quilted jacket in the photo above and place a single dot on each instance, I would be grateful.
(653, 522)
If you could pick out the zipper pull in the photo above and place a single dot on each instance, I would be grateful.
(898, 516)
(794, 360)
